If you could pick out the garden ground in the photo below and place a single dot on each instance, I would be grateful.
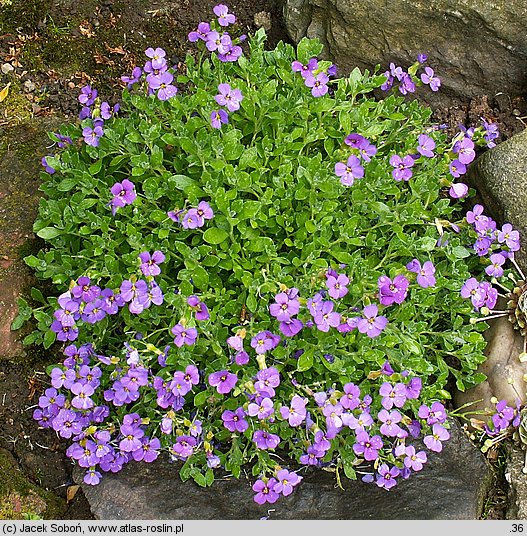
(48, 51)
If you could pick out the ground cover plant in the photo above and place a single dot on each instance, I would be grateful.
(258, 264)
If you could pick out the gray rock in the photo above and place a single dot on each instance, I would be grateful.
(453, 485)
(476, 46)
(500, 177)
(517, 496)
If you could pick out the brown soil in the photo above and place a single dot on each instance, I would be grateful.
(54, 48)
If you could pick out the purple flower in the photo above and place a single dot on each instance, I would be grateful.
(157, 57)
(286, 481)
(184, 335)
(201, 32)
(220, 43)
(265, 440)
(436, 413)
(387, 476)
(413, 388)
(149, 450)
(229, 97)
(390, 420)
(371, 324)
(421, 58)
(503, 416)
(131, 438)
(91, 136)
(471, 289)
(150, 263)
(69, 311)
(92, 477)
(264, 341)
(356, 141)
(434, 441)
(366, 446)
(235, 421)
(296, 413)
(337, 286)
(134, 78)
(510, 237)
(262, 408)
(495, 269)
(224, 17)
(325, 317)
(47, 167)
(351, 397)
(163, 83)
(82, 394)
(429, 78)
(414, 460)
(392, 291)
(284, 307)
(184, 446)
(425, 273)
(402, 167)
(265, 491)
(87, 95)
(426, 146)
(218, 117)
(393, 395)
(123, 194)
(491, 133)
(350, 171)
(317, 83)
(62, 378)
(367, 150)
(223, 380)
(291, 327)
(305, 70)
(465, 150)
(458, 190)
(267, 380)
(457, 168)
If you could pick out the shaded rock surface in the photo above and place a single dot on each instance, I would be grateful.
(452, 486)
(475, 46)
(517, 497)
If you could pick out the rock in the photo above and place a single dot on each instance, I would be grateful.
(475, 46)
(19, 497)
(454, 481)
(503, 369)
(500, 177)
(517, 496)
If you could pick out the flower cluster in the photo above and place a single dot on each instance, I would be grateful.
(499, 245)
(306, 321)
(193, 217)
(215, 39)
(315, 75)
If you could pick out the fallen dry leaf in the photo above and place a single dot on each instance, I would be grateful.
(71, 492)
(86, 29)
(116, 50)
(4, 92)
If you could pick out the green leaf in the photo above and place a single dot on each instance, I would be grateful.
(213, 235)
(200, 277)
(305, 361)
(49, 338)
(67, 184)
(201, 398)
(49, 233)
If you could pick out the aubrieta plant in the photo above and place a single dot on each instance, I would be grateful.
(260, 265)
